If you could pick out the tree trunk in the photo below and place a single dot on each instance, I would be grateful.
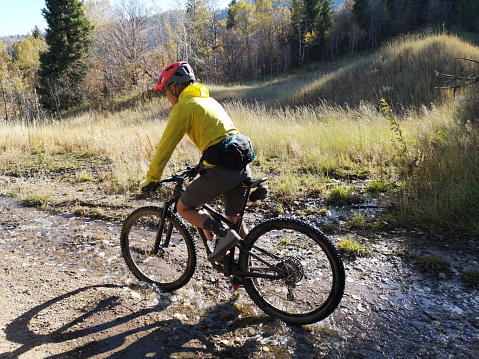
(4, 95)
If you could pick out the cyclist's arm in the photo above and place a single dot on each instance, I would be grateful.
(175, 130)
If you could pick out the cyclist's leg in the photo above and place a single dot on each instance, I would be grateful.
(233, 201)
(243, 229)
(214, 182)
(194, 216)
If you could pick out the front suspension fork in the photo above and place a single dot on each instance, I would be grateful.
(161, 227)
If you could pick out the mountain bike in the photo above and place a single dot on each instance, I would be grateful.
(288, 267)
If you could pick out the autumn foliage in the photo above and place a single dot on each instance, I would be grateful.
(103, 50)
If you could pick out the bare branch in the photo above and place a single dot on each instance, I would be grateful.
(466, 59)
(459, 81)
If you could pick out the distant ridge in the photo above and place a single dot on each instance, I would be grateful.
(10, 40)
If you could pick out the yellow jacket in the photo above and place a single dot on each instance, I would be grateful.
(199, 116)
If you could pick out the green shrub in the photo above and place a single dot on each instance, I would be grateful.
(471, 277)
(36, 200)
(351, 248)
(433, 263)
(358, 220)
(378, 187)
(339, 194)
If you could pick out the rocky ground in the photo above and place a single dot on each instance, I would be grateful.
(66, 292)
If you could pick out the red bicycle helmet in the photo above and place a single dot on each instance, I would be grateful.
(179, 72)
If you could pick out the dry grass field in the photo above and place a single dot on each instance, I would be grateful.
(324, 122)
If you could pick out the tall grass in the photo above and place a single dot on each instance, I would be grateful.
(316, 139)
(403, 72)
(313, 143)
(127, 138)
(303, 143)
(442, 191)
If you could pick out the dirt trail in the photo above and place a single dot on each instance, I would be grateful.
(66, 293)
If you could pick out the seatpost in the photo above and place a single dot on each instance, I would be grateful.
(240, 215)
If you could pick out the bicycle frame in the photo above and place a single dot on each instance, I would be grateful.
(229, 265)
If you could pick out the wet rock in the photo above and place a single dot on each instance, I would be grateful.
(180, 316)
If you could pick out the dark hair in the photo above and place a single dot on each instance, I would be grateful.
(184, 85)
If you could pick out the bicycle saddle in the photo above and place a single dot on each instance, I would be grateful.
(252, 183)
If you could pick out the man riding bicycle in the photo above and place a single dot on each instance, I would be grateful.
(226, 154)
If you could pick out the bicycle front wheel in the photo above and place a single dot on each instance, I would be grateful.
(294, 271)
(165, 257)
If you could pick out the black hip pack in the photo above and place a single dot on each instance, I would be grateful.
(235, 151)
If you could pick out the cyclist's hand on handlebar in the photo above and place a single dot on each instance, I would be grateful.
(146, 186)
(193, 171)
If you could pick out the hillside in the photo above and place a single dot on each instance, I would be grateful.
(402, 72)
(309, 111)
(10, 40)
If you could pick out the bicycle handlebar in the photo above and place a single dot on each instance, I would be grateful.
(190, 172)
(179, 178)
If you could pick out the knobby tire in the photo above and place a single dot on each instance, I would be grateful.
(313, 273)
(174, 263)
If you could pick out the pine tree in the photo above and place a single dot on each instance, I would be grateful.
(36, 33)
(323, 21)
(230, 22)
(360, 8)
(468, 14)
(64, 66)
(311, 21)
(296, 31)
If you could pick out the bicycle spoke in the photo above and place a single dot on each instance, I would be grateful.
(309, 276)
(173, 263)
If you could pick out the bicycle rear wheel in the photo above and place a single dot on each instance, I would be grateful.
(173, 262)
(312, 279)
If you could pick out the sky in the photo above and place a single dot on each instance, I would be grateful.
(19, 17)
